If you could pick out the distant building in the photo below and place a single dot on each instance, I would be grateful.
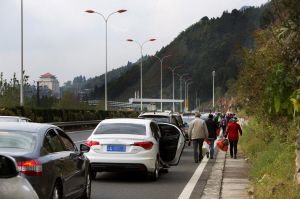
(48, 80)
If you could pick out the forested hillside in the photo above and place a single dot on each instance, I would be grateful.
(95, 84)
(209, 44)
(268, 91)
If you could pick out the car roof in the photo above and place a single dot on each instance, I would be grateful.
(126, 120)
(156, 113)
(25, 127)
(18, 117)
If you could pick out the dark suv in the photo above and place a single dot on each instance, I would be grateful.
(165, 117)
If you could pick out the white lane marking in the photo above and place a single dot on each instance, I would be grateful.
(189, 187)
(79, 141)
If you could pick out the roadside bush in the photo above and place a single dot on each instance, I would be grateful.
(272, 160)
(64, 115)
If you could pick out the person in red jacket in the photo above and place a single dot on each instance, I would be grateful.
(232, 131)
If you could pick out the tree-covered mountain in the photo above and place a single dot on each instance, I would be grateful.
(95, 84)
(210, 44)
(207, 45)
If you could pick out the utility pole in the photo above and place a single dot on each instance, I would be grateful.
(213, 75)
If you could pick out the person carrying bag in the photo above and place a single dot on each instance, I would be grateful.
(197, 134)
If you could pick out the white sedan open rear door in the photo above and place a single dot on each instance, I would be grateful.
(171, 143)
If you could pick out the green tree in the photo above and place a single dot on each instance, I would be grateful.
(71, 101)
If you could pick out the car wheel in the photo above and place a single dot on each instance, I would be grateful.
(88, 187)
(155, 174)
(93, 175)
(56, 193)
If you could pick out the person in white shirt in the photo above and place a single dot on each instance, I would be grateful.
(197, 134)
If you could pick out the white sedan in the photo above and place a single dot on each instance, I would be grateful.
(134, 144)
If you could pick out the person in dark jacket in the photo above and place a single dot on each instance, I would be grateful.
(233, 130)
(212, 134)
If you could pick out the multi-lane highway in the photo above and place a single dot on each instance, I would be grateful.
(187, 180)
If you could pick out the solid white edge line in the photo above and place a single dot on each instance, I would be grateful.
(189, 187)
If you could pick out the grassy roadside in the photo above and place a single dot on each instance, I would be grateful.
(272, 159)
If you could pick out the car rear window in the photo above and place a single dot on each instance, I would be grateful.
(22, 141)
(158, 118)
(121, 128)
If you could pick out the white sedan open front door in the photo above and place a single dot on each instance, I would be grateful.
(171, 143)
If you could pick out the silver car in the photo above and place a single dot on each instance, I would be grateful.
(12, 184)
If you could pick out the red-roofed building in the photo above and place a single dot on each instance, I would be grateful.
(51, 82)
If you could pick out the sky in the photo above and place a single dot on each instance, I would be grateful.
(60, 38)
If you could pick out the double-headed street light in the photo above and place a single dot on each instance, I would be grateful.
(173, 72)
(185, 93)
(213, 76)
(141, 48)
(106, 20)
(180, 82)
(161, 65)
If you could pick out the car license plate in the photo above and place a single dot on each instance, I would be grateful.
(116, 148)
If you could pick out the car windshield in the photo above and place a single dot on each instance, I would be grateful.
(9, 119)
(121, 128)
(22, 141)
(158, 118)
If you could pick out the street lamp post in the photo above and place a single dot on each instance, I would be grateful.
(180, 82)
(106, 20)
(161, 65)
(173, 72)
(141, 48)
(22, 78)
(185, 93)
(213, 76)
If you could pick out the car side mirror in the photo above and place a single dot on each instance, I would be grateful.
(84, 148)
(8, 167)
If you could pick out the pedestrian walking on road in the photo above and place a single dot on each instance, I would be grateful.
(233, 130)
(212, 134)
(197, 133)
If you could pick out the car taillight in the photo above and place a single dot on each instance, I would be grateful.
(30, 167)
(145, 145)
(91, 143)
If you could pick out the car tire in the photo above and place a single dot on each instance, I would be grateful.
(93, 175)
(88, 187)
(57, 191)
(153, 176)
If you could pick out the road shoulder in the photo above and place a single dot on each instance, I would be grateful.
(228, 179)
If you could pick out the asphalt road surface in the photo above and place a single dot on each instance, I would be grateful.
(186, 180)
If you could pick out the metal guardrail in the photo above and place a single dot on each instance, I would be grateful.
(76, 123)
